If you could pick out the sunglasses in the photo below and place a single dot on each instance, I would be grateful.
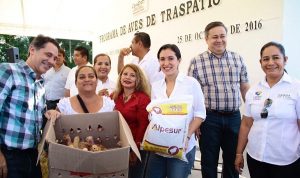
(267, 104)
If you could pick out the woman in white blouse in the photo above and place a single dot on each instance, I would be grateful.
(175, 84)
(87, 101)
(102, 65)
(271, 122)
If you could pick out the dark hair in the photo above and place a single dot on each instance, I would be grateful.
(277, 45)
(213, 25)
(79, 69)
(144, 38)
(173, 47)
(62, 51)
(40, 41)
(101, 54)
(83, 51)
(272, 43)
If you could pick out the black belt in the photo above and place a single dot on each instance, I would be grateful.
(52, 101)
(221, 112)
(4, 148)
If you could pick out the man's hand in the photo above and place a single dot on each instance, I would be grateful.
(239, 163)
(3, 166)
(125, 52)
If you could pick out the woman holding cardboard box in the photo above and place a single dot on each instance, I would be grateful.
(87, 101)
(132, 95)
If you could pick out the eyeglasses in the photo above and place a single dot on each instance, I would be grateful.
(264, 111)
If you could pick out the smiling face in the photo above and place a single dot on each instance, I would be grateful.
(41, 60)
(128, 78)
(217, 40)
(79, 60)
(102, 67)
(168, 62)
(60, 60)
(273, 62)
(86, 79)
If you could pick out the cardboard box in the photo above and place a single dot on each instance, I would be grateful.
(67, 162)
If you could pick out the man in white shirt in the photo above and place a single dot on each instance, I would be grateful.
(81, 58)
(148, 62)
(55, 80)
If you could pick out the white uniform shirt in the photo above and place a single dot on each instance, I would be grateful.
(65, 107)
(70, 84)
(108, 84)
(275, 139)
(55, 82)
(184, 85)
(150, 66)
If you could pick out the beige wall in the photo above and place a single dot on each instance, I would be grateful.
(89, 20)
(231, 12)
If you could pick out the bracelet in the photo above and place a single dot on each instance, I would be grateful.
(239, 154)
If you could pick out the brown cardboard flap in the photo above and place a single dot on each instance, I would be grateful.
(62, 157)
(129, 137)
(43, 139)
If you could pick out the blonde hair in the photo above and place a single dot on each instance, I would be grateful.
(141, 83)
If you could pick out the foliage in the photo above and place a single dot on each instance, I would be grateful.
(22, 42)
(69, 46)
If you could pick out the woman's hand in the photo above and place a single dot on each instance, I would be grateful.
(103, 92)
(52, 115)
(197, 134)
(186, 144)
(132, 158)
(239, 163)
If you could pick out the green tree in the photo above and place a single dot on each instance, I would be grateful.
(70, 45)
(22, 42)
(7, 41)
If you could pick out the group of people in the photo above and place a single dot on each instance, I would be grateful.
(217, 79)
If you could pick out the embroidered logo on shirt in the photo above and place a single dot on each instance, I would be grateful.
(284, 96)
(258, 95)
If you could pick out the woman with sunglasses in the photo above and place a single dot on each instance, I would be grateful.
(271, 123)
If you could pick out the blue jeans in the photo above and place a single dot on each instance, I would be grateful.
(162, 167)
(219, 130)
(22, 163)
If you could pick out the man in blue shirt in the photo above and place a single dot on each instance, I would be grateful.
(22, 101)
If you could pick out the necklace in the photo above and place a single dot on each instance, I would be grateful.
(126, 98)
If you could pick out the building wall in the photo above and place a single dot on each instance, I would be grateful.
(291, 37)
(279, 21)
(259, 22)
